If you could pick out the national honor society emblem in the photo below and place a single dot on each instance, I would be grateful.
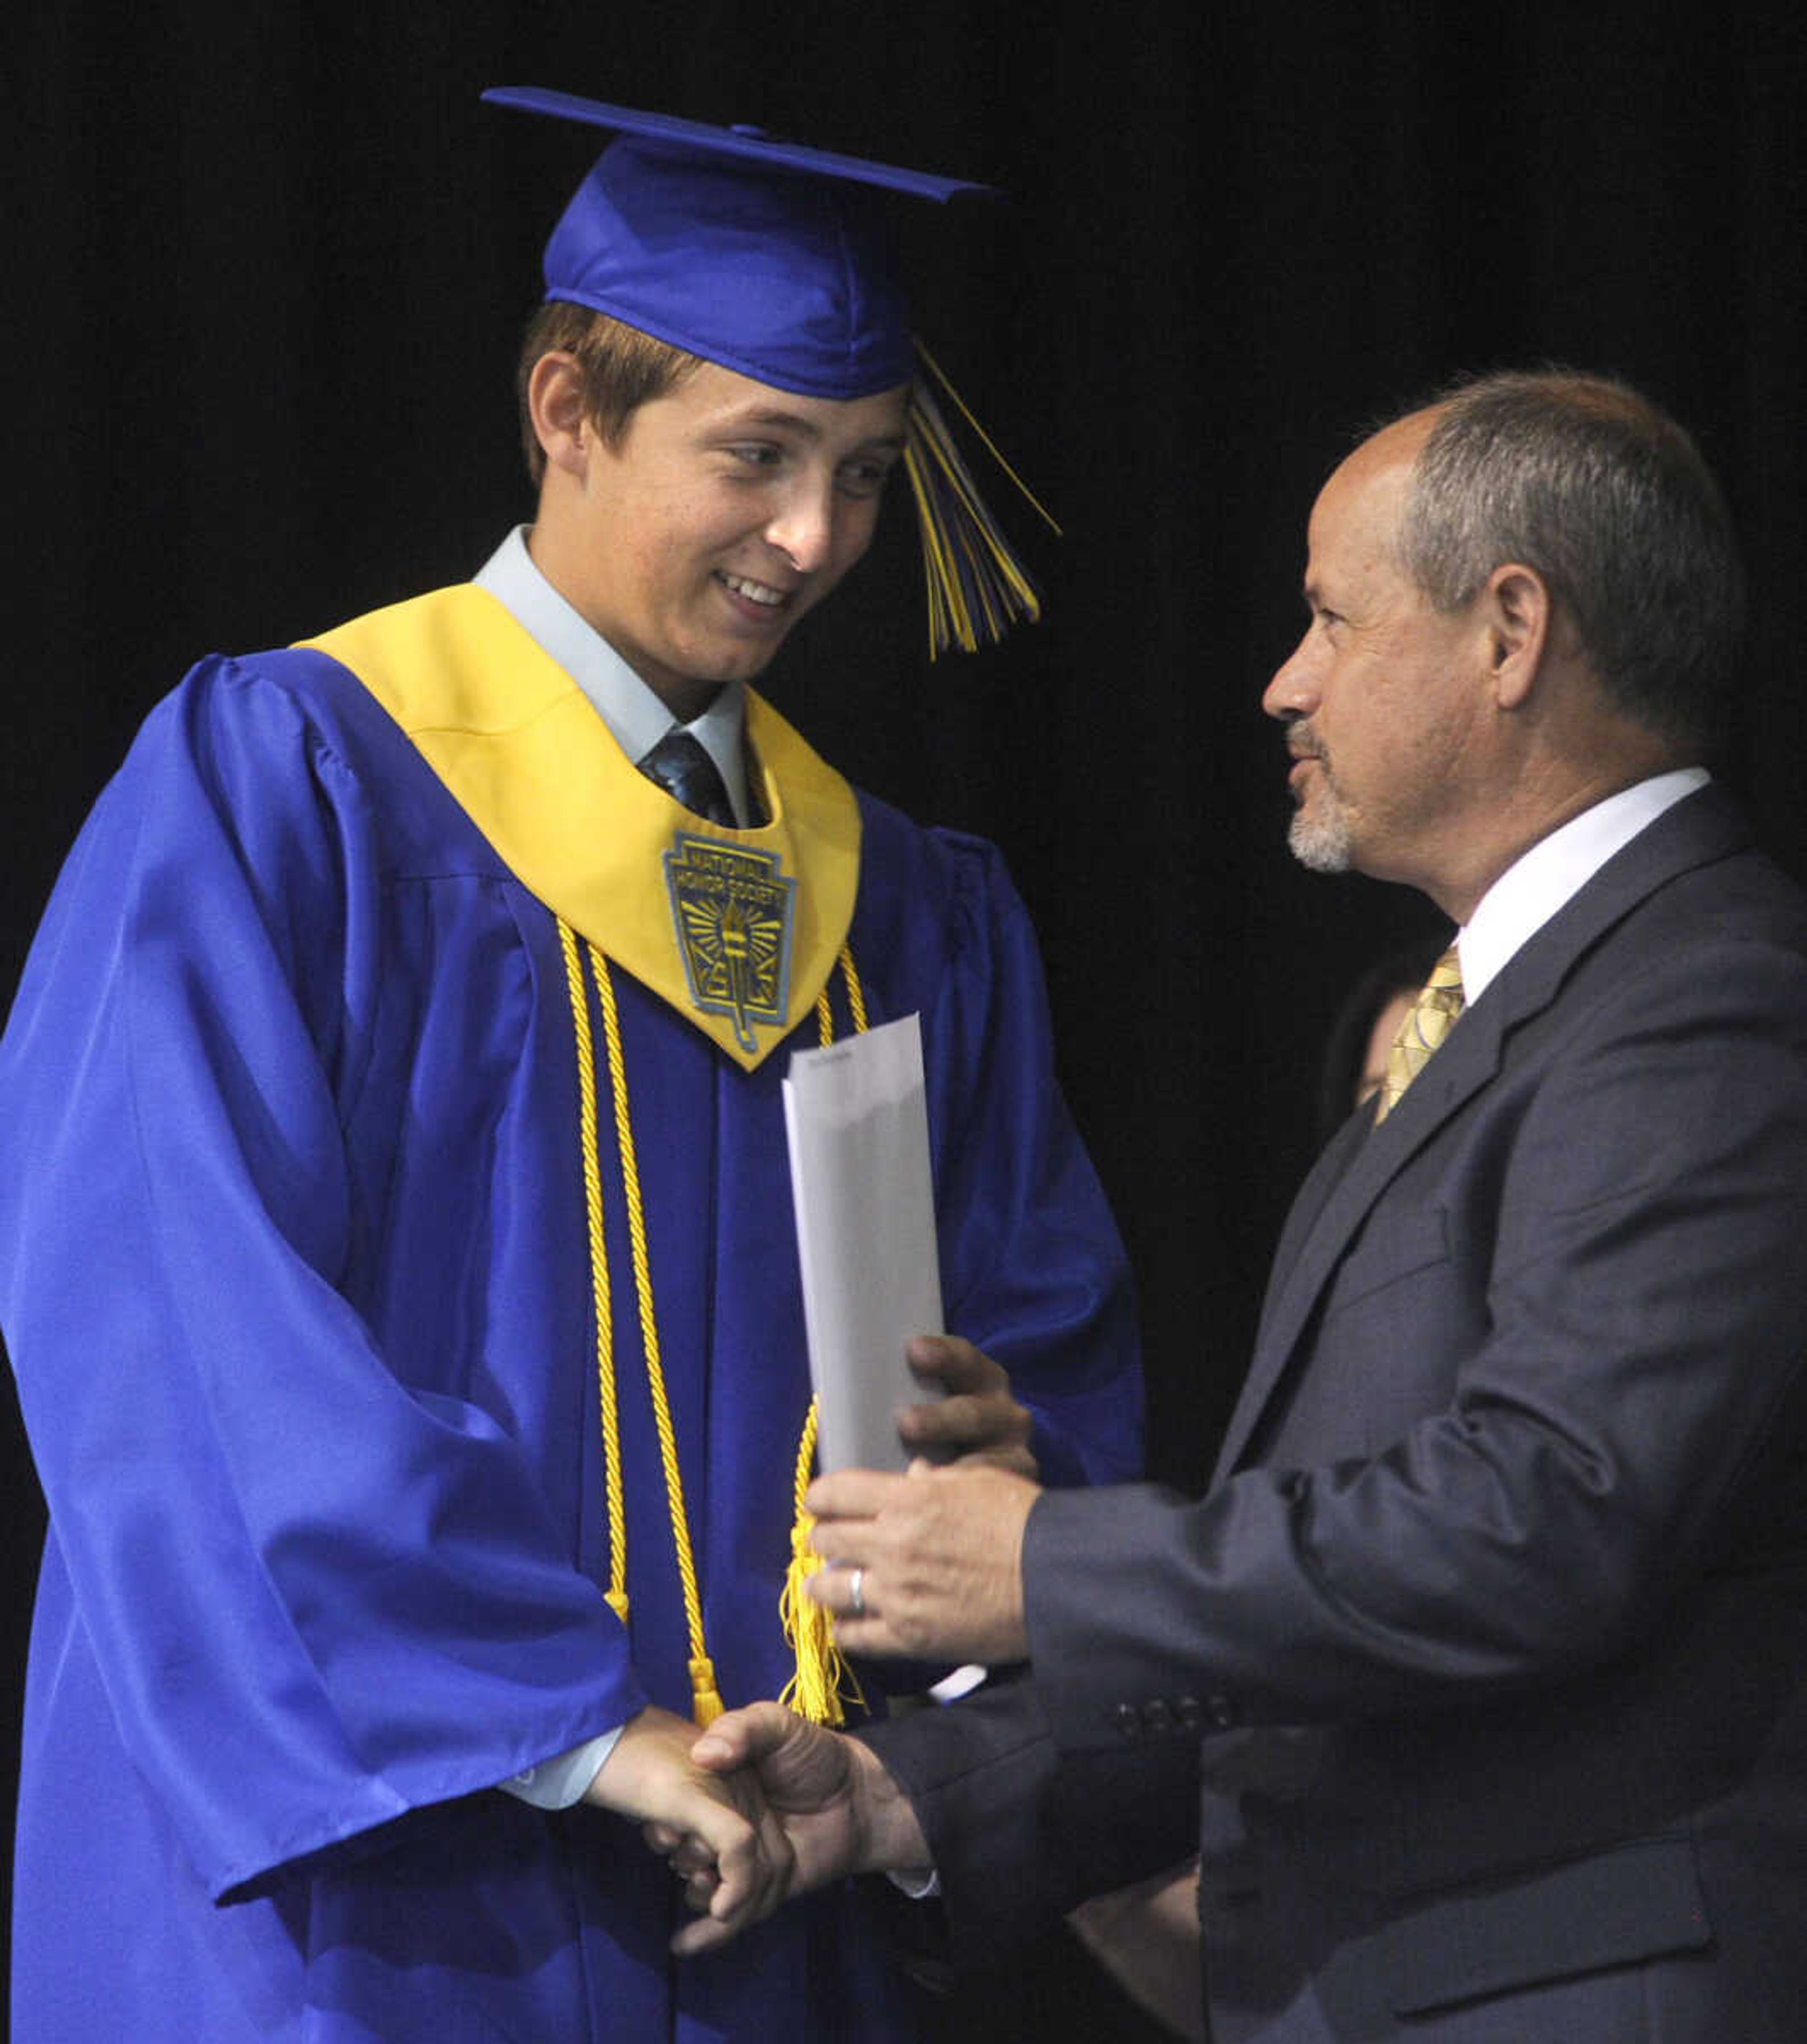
(731, 910)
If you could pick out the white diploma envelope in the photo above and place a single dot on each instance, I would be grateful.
(856, 1115)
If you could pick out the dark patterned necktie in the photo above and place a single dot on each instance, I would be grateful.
(679, 765)
(1432, 1018)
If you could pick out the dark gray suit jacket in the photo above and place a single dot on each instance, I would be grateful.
(1494, 1621)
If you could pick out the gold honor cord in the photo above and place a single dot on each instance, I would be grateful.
(820, 1670)
(976, 584)
(617, 1590)
(706, 1702)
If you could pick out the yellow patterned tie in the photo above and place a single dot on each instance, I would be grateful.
(1432, 1018)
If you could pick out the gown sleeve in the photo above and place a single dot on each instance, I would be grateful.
(316, 1598)
(1034, 1270)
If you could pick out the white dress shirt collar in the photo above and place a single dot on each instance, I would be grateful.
(1543, 879)
(636, 719)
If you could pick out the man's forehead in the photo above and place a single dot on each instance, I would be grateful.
(1403, 437)
(724, 397)
(1366, 492)
(1351, 551)
(868, 419)
(1383, 463)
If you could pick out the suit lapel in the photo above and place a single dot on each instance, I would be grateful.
(1371, 1158)
(1361, 1161)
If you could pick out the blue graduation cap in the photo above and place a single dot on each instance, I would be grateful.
(777, 260)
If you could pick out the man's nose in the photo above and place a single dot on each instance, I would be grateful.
(802, 527)
(1292, 693)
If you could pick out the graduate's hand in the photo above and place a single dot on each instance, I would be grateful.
(741, 1864)
(839, 1808)
(928, 1565)
(978, 1420)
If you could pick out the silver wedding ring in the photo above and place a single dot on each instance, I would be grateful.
(857, 1604)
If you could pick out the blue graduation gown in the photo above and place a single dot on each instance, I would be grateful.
(295, 1277)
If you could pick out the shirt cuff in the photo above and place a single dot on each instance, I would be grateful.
(557, 1783)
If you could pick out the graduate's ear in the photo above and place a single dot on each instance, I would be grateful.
(555, 404)
(1517, 609)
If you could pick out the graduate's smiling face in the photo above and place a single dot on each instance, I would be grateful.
(723, 511)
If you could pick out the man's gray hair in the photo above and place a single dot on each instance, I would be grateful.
(1587, 481)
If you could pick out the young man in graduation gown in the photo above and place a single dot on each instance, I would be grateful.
(396, 1250)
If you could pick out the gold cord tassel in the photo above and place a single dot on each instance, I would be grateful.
(705, 1698)
(815, 1691)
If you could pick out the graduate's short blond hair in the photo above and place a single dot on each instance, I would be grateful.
(622, 370)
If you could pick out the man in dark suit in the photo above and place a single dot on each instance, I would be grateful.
(1492, 1626)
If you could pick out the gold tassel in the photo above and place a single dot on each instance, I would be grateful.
(976, 586)
(823, 1675)
(705, 1698)
(815, 1691)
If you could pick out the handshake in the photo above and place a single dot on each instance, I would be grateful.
(762, 1805)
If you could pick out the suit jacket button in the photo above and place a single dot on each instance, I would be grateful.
(1157, 1718)
(1127, 1719)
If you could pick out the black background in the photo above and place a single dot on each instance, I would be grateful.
(268, 266)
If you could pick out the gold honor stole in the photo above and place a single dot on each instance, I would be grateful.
(738, 931)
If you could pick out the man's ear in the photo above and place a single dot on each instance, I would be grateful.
(1517, 613)
(555, 405)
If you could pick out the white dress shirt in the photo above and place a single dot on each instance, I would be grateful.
(1555, 868)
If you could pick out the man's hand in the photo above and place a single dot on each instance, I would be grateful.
(838, 1808)
(978, 1420)
(740, 1864)
(928, 1565)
